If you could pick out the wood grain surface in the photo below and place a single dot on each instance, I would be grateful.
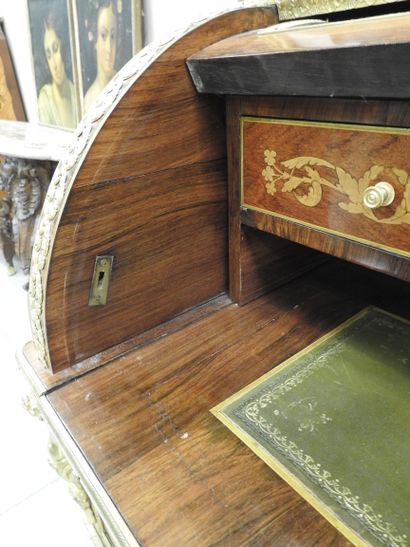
(363, 58)
(351, 33)
(43, 380)
(337, 246)
(267, 262)
(257, 262)
(372, 113)
(177, 475)
(151, 192)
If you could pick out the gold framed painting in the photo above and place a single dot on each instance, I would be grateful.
(54, 64)
(108, 34)
(11, 104)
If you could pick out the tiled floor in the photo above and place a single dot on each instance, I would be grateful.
(35, 506)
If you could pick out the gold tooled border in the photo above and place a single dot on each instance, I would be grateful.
(271, 461)
(325, 125)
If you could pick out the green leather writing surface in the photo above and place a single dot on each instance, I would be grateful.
(334, 421)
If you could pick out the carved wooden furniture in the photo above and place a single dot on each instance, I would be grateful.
(296, 169)
(29, 155)
(137, 215)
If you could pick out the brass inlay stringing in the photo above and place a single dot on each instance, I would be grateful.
(101, 280)
(305, 177)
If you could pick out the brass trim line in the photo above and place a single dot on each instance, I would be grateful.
(329, 125)
(342, 235)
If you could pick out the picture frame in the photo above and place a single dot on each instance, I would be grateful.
(54, 62)
(108, 34)
(11, 102)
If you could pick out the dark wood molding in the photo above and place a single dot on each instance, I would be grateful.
(360, 58)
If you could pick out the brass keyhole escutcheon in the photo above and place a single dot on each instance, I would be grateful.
(101, 280)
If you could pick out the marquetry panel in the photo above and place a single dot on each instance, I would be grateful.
(317, 174)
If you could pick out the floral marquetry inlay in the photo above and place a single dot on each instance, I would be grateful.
(306, 176)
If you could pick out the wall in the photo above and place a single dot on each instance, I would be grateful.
(161, 17)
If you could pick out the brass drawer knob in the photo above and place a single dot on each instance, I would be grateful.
(379, 195)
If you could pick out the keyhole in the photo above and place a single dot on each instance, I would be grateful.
(100, 280)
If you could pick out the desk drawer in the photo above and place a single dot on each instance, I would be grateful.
(319, 174)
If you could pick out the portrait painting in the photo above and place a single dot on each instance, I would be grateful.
(108, 36)
(11, 104)
(54, 67)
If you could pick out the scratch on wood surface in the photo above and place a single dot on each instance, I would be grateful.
(182, 459)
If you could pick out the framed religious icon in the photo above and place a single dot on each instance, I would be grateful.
(54, 66)
(109, 34)
(11, 104)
